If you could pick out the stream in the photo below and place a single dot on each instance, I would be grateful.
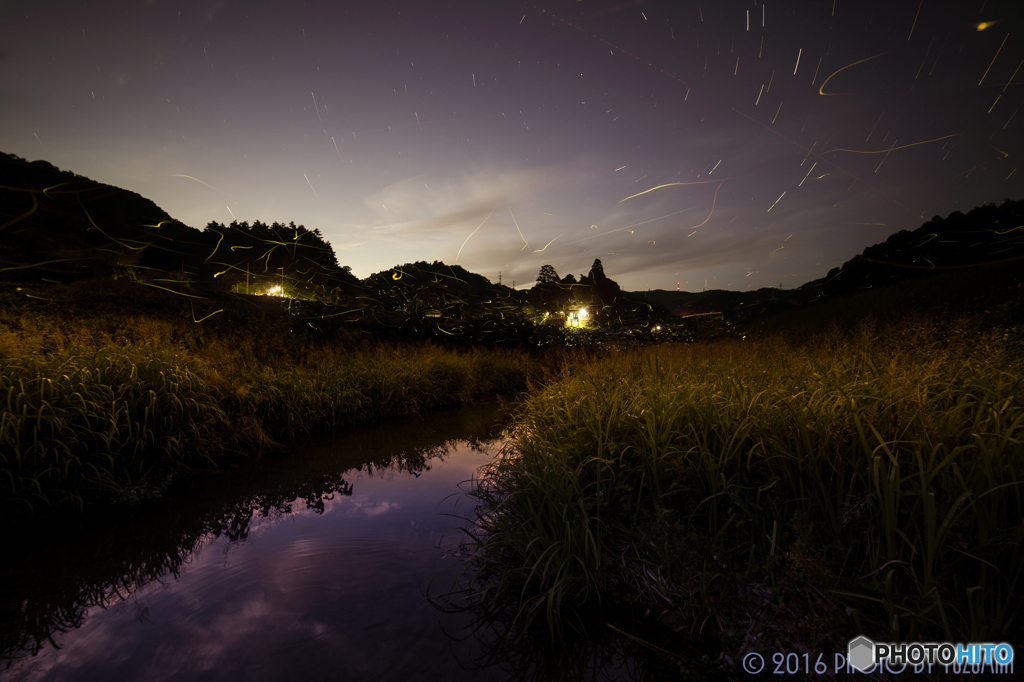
(325, 563)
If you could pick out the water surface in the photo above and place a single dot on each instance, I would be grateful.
(316, 565)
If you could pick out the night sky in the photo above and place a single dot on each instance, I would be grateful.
(773, 140)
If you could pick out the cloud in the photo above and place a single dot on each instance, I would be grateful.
(415, 205)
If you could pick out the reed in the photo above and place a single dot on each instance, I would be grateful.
(114, 408)
(775, 493)
(111, 422)
(378, 383)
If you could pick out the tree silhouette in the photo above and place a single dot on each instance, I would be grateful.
(604, 294)
(547, 293)
(547, 274)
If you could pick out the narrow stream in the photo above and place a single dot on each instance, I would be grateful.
(316, 566)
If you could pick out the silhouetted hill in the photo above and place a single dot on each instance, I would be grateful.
(988, 235)
(423, 288)
(61, 226)
(685, 303)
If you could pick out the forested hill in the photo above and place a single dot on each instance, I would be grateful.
(59, 226)
(987, 235)
(422, 288)
(685, 303)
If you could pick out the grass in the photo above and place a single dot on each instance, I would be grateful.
(110, 405)
(105, 420)
(767, 494)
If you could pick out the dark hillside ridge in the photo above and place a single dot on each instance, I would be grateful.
(685, 303)
(57, 226)
(988, 236)
(62, 227)
(438, 290)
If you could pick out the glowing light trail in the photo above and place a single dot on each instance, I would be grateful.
(548, 244)
(620, 229)
(994, 58)
(821, 90)
(525, 243)
(197, 180)
(886, 151)
(474, 232)
(671, 184)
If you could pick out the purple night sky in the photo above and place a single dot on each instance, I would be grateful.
(781, 137)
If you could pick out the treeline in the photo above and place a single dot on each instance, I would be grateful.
(595, 291)
(285, 260)
(987, 235)
(62, 227)
(435, 289)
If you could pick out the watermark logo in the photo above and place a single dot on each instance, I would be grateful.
(864, 654)
(860, 652)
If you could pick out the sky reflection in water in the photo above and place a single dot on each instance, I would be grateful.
(337, 595)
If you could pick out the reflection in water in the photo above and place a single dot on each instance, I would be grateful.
(109, 564)
(57, 572)
(312, 565)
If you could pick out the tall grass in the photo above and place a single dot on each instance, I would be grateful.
(113, 408)
(776, 494)
(108, 421)
(375, 384)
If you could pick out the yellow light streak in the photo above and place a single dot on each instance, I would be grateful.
(550, 243)
(525, 243)
(821, 90)
(886, 151)
(175, 175)
(627, 227)
(671, 184)
(474, 232)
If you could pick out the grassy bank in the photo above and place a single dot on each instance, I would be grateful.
(762, 494)
(113, 405)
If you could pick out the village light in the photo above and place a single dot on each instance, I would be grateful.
(583, 312)
(274, 291)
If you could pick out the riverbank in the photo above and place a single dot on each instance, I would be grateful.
(766, 495)
(106, 403)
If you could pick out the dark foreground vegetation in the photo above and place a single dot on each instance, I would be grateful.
(109, 393)
(782, 488)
